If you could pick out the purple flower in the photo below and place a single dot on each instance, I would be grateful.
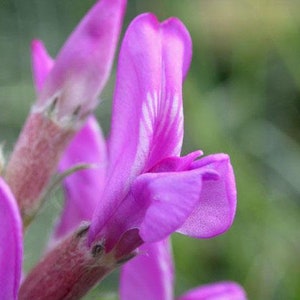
(11, 248)
(150, 190)
(83, 64)
(150, 275)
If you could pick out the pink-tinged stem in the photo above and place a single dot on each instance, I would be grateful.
(34, 160)
(69, 271)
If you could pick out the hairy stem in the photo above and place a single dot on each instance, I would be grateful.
(68, 271)
(34, 161)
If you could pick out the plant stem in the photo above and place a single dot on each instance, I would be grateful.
(68, 271)
(34, 161)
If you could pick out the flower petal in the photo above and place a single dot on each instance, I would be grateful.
(148, 96)
(11, 249)
(158, 203)
(42, 63)
(176, 163)
(149, 275)
(216, 208)
(218, 291)
(82, 67)
(147, 121)
(172, 198)
(83, 188)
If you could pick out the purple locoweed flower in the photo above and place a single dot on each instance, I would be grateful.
(11, 247)
(150, 275)
(150, 190)
(82, 66)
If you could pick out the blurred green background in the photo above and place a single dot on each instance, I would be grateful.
(242, 97)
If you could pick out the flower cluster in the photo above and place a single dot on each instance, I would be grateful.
(126, 195)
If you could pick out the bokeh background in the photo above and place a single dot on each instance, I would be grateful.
(242, 97)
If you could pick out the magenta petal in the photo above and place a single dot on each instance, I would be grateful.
(158, 204)
(82, 66)
(147, 121)
(218, 291)
(172, 198)
(148, 97)
(11, 248)
(83, 188)
(149, 276)
(216, 208)
(176, 163)
(42, 63)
